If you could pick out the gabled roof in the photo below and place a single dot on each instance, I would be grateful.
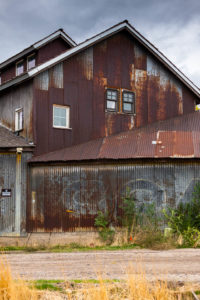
(9, 140)
(97, 38)
(174, 138)
(37, 45)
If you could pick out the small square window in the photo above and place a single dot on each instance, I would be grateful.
(128, 102)
(18, 119)
(19, 68)
(111, 99)
(61, 116)
(31, 62)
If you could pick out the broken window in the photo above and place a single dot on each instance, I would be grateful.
(61, 116)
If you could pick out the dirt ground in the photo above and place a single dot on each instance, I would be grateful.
(173, 265)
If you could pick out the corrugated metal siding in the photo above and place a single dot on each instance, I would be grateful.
(68, 197)
(7, 204)
(80, 82)
(8, 180)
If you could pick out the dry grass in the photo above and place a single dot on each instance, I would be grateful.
(11, 289)
(136, 287)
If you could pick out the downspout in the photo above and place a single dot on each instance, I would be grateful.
(18, 190)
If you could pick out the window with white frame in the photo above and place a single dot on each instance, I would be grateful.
(61, 115)
(19, 68)
(30, 61)
(18, 119)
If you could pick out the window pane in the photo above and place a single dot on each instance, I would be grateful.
(60, 112)
(111, 105)
(127, 107)
(31, 62)
(61, 116)
(20, 68)
(111, 95)
(128, 97)
(19, 120)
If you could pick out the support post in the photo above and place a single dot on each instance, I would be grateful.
(18, 191)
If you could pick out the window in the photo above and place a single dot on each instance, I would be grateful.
(19, 68)
(61, 116)
(18, 119)
(111, 99)
(120, 100)
(30, 61)
(128, 101)
(0, 79)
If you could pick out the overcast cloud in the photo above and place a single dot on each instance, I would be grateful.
(173, 26)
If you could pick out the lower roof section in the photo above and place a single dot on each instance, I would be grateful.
(10, 140)
(174, 138)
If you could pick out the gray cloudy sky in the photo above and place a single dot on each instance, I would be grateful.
(173, 26)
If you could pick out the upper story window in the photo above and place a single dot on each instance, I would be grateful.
(120, 100)
(18, 119)
(112, 99)
(19, 68)
(128, 101)
(61, 115)
(30, 61)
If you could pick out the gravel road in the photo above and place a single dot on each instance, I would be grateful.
(174, 265)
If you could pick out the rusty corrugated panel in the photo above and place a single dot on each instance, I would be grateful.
(51, 50)
(119, 62)
(178, 137)
(67, 197)
(18, 97)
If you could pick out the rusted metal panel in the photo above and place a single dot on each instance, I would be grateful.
(18, 97)
(9, 180)
(42, 81)
(56, 76)
(119, 62)
(52, 49)
(67, 197)
(177, 137)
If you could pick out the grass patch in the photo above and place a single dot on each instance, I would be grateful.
(51, 285)
(67, 248)
(94, 281)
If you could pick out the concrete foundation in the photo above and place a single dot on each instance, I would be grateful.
(82, 238)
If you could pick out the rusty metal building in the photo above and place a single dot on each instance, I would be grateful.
(87, 164)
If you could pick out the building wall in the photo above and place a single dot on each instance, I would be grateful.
(8, 180)
(20, 96)
(80, 82)
(67, 197)
(42, 55)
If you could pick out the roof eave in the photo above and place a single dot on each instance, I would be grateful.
(119, 27)
(38, 45)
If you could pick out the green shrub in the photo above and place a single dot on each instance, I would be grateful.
(185, 215)
(106, 232)
(191, 237)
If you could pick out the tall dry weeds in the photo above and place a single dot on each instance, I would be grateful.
(11, 289)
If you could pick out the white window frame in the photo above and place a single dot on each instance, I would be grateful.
(19, 114)
(67, 108)
(19, 62)
(28, 57)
